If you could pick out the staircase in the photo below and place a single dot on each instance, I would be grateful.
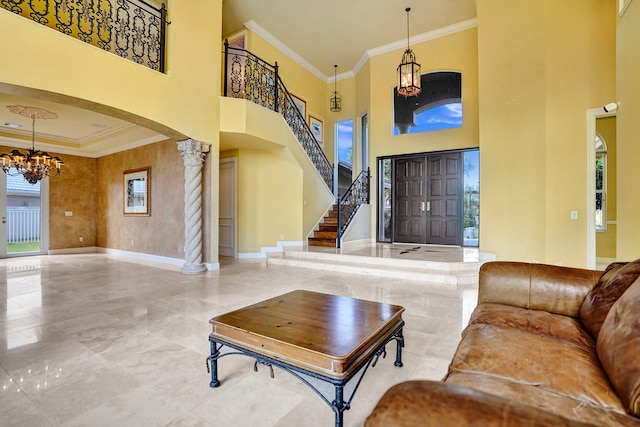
(327, 232)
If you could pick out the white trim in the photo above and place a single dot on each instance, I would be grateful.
(66, 251)
(256, 28)
(592, 115)
(154, 258)
(270, 249)
(420, 38)
(430, 35)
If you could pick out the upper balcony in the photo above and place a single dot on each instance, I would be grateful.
(132, 29)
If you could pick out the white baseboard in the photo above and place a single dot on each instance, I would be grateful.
(154, 258)
(83, 250)
(266, 249)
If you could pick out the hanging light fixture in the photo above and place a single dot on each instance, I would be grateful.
(335, 102)
(408, 70)
(33, 165)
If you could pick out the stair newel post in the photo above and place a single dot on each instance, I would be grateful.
(275, 89)
(338, 228)
(226, 66)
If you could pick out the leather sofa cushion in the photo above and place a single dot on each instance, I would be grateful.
(612, 284)
(437, 404)
(619, 347)
(537, 321)
(537, 360)
(543, 287)
(544, 399)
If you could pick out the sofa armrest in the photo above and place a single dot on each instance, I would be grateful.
(545, 287)
(434, 403)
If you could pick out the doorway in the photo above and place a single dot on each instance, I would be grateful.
(227, 228)
(598, 191)
(429, 198)
(24, 213)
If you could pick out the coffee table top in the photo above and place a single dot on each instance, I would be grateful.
(326, 334)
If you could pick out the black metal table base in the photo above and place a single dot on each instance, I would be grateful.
(337, 393)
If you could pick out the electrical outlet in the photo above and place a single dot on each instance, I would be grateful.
(574, 215)
(82, 238)
(131, 242)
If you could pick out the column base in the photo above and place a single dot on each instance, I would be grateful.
(193, 268)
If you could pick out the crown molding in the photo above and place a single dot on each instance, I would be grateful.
(256, 28)
(400, 44)
(420, 38)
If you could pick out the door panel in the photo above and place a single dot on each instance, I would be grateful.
(444, 220)
(409, 194)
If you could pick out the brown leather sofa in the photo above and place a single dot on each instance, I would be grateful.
(546, 346)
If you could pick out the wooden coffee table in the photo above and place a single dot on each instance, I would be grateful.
(320, 339)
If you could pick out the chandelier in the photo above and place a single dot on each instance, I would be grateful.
(32, 164)
(408, 70)
(335, 103)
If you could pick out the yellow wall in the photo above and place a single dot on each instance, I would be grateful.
(538, 74)
(606, 240)
(455, 52)
(298, 80)
(270, 211)
(628, 132)
(181, 103)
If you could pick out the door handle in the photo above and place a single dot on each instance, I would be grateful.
(428, 206)
(422, 208)
(4, 219)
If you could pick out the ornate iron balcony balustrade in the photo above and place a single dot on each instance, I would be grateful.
(251, 78)
(357, 194)
(132, 29)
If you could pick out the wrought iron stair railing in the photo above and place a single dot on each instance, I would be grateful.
(132, 29)
(249, 77)
(357, 194)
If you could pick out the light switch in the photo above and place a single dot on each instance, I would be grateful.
(68, 213)
(574, 215)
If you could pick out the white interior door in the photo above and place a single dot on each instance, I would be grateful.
(227, 214)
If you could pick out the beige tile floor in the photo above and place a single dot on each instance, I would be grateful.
(100, 340)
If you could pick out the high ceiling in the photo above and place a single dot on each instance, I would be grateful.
(318, 33)
(340, 32)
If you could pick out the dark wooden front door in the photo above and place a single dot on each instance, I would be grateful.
(428, 199)
(408, 197)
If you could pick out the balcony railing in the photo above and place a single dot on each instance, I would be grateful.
(132, 29)
(249, 77)
(356, 195)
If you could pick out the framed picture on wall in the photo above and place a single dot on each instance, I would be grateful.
(301, 105)
(137, 192)
(317, 128)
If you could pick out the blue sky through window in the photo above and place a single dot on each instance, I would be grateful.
(441, 117)
(345, 141)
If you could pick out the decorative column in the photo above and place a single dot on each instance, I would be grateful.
(193, 154)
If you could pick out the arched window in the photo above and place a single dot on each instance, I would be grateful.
(601, 184)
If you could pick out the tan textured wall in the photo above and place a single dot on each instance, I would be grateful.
(160, 234)
(74, 190)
